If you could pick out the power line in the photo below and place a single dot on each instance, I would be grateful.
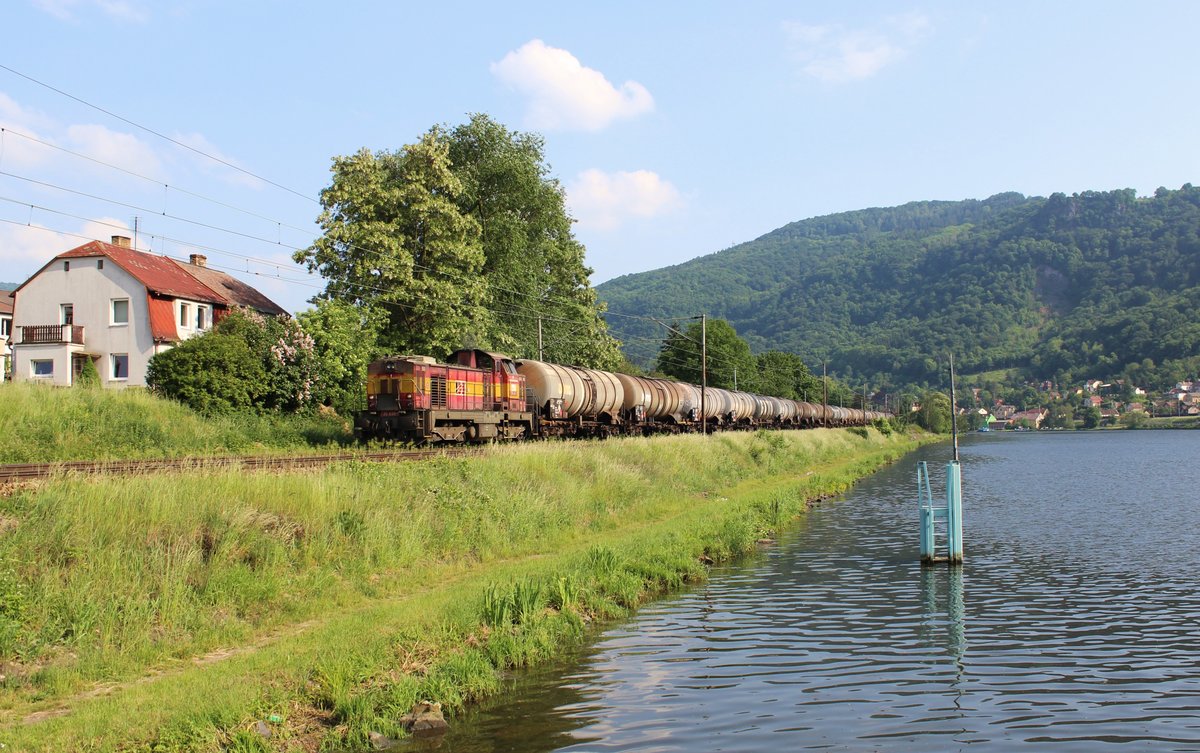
(138, 208)
(155, 181)
(149, 130)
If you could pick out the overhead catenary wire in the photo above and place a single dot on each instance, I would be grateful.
(4, 130)
(163, 136)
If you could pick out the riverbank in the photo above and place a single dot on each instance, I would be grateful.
(175, 613)
(43, 424)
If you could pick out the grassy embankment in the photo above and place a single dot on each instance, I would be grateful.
(40, 424)
(171, 612)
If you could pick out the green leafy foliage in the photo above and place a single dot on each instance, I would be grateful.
(935, 412)
(1095, 285)
(533, 264)
(247, 362)
(461, 239)
(88, 375)
(731, 365)
(395, 241)
(344, 339)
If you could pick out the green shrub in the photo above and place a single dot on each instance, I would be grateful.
(88, 376)
(212, 374)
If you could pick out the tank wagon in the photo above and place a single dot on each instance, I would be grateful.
(481, 396)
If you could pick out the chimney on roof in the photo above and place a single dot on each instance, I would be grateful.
(122, 241)
(200, 260)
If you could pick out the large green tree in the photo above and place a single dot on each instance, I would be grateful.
(462, 239)
(396, 241)
(533, 264)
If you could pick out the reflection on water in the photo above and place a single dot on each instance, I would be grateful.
(942, 599)
(1072, 625)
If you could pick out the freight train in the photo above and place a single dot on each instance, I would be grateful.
(482, 396)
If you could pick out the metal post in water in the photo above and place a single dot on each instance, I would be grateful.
(925, 505)
(954, 542)
(952, 512)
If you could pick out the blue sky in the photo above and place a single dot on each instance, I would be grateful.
(678, 129)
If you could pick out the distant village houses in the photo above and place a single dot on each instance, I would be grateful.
(117, 307)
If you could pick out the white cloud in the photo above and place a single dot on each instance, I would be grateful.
(25, 248)
(835, 54)
(213, 167)
(69, 10)
(605, 201)
(18, 121)
(115, 148)
(564, 94)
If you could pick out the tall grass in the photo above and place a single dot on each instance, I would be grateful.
(508, 555)
(46, 424)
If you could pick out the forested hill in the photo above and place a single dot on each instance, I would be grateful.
(9, 285)
(1099, 284)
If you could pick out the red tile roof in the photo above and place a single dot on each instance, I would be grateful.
(164, 276)
(232, 289)
(6, 302)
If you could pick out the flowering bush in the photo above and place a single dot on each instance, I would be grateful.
(246, 362)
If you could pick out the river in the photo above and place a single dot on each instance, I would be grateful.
(1074, 624)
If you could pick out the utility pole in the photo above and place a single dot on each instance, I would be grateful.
(735, 379)
(824, 397)
(540, 358)
(703, 372)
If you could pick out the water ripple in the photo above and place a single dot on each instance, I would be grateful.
(1072, 626)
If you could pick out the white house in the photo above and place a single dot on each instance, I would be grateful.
(118, 307)
(6, 315)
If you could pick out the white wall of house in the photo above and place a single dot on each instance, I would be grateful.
(5, 353)
(121, 350)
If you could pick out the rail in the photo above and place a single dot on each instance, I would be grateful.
(30, 471)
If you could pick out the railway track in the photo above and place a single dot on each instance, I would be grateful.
(29, 471)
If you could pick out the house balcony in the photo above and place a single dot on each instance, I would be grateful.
(52, 334)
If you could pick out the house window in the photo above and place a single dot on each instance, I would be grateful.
(68, 313)
(66, 266)
(120, 311)
(99, 264)
(120, 365)
(5, 327)
(201, 317)
(41, 369)
(184, 315)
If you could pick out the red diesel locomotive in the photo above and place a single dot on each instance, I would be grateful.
(416, 399)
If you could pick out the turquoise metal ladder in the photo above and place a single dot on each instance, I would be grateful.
(946, 519)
